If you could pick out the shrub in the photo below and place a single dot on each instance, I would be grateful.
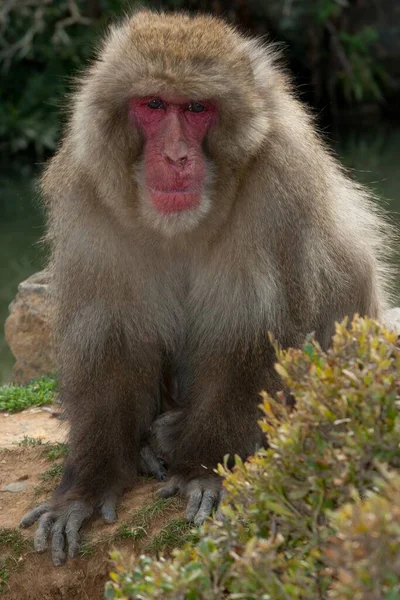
(365, 553)
(276, 542)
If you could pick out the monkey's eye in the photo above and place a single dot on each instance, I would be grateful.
(156, 103)
(196, 107)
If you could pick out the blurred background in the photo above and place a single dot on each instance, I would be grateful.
(344, 56)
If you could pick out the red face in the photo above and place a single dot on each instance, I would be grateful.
(174, 164)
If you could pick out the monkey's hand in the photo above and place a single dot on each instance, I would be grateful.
(203, 490)
(61, 526)
(60, 522)
(204, 495)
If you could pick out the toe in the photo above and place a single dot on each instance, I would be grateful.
(170, 489)
(42, 534)
(207, 504)
(194, 502)
(32, 516)
(58, 542)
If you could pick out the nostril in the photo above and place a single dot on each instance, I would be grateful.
(178, 161)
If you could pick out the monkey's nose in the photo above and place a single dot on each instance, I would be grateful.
(176, 153)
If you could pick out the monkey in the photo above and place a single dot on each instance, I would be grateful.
(192, 208)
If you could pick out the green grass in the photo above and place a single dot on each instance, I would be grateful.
(36, 393)
(50, 451)
(54, 472)
(137, 526)
(29, 442)
(56, 451)
(13, 540)
(175, 534)
(12, 544)
(86, 549)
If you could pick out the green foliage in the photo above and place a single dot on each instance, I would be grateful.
(279, 528)
(365, 78)
(325, 36)
(42, 45)
(36, 393)
(364, 553)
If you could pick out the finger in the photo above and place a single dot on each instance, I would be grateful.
(58, 542)
(206, 506)
(194, 502)
(32, 516)
(219, 515)
(72, 528)
(170, 489)
(150, 465)
(42, 534)
(109, 509)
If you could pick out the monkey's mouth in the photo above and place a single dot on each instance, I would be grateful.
(174, 201)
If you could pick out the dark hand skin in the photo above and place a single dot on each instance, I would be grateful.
(62, 527)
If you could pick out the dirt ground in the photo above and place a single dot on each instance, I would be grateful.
(37, 422)
(143, 521)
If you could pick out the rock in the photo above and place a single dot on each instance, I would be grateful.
(391, 319)
(17, 486)
(28, 329)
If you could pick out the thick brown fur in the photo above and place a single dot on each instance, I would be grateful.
(289, 245)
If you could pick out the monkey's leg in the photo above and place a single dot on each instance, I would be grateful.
(110, 406)
(221, 418)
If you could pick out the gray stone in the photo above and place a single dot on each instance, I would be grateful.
(16, 486)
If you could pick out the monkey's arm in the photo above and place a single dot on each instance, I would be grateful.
(110, 401)
(221, 418)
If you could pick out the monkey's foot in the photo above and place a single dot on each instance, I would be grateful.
(204, 495)
(61, 526)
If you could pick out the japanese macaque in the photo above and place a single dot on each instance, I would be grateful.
(192, 209)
